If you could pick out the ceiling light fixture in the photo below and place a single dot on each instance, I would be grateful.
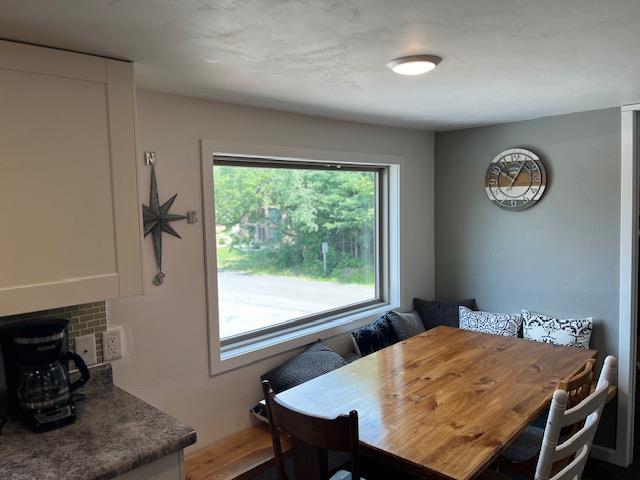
(414, 64)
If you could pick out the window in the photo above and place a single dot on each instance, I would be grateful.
(296, 242)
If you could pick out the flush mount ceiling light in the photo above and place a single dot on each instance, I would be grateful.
(414, 64)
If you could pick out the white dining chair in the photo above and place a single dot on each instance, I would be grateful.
(574, 450)
(578, 444)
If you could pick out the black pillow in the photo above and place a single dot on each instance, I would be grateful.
(373, 337)
(313, 362)
(434, 313)
(260, 411)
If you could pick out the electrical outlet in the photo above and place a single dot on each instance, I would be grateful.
(112, 343)
(85, 346)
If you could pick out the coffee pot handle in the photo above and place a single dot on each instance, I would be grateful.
(82, 368)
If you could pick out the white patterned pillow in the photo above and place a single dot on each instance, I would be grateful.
(571, 332)
(504, 324)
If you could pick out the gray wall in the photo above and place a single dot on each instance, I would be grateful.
(559, 257)
(174, 318)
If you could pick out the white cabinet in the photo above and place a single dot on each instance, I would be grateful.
(70, 213)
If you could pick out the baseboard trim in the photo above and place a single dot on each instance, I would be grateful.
(603, 453)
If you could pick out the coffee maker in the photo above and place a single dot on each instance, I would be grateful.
(36, 364)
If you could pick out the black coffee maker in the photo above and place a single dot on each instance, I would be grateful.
(36, 365)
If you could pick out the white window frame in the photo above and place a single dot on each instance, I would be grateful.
(235, 355)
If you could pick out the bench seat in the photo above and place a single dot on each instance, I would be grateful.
(237, 457)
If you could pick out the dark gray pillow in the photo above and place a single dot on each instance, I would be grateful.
(434, 313)
(260, 411)
(316, 360)
(352, 357)
(406, 325)
(373, 337)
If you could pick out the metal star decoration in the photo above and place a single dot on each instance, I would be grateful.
(156, 220)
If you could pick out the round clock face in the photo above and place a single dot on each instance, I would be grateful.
(515, 179)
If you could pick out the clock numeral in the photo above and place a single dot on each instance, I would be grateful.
(536, 178)
(514, 203)
(493, 181)
(534, 166)
(496, 169)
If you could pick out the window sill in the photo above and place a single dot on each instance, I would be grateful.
(239, 354)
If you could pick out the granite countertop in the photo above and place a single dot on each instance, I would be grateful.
(114, 433)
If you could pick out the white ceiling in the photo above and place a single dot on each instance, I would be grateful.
(504, 60)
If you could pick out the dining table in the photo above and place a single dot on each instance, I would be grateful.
(445, 403)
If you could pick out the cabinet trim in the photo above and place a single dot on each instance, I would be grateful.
(42, 296)
(49, 61)
(124, 177)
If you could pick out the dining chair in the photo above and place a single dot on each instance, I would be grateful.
(522, 455)
(311, 438)
(577, 446)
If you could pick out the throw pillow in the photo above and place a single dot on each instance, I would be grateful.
(405, 325)
(434, 313)
(504, 324)
(260, 411)
(373, 337)
(352, 357)
(572, 332)
(316, 360)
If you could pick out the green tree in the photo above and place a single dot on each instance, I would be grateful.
(313, 206)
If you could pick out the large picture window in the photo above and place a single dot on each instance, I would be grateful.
(296, 242)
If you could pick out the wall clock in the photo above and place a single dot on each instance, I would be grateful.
(516, 179)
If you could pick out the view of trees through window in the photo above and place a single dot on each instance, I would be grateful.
(292, 243)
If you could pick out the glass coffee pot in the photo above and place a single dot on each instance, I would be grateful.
(36, 363)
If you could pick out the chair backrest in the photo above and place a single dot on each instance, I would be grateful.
(311, 437)
(579, 386)
(579, 443)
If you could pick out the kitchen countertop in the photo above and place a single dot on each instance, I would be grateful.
(114, 433)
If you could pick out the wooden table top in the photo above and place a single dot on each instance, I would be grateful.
(444, 403)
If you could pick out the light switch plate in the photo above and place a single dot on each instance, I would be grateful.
(85, 346)
(112, 345)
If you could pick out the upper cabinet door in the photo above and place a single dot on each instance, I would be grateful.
(68, 188)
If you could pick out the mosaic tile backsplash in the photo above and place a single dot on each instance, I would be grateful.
(83, 320)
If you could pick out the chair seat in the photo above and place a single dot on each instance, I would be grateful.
(526, 446)
(342, 475)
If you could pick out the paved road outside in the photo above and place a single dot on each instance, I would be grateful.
(248, 302)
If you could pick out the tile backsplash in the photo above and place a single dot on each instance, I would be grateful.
(83, 319)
